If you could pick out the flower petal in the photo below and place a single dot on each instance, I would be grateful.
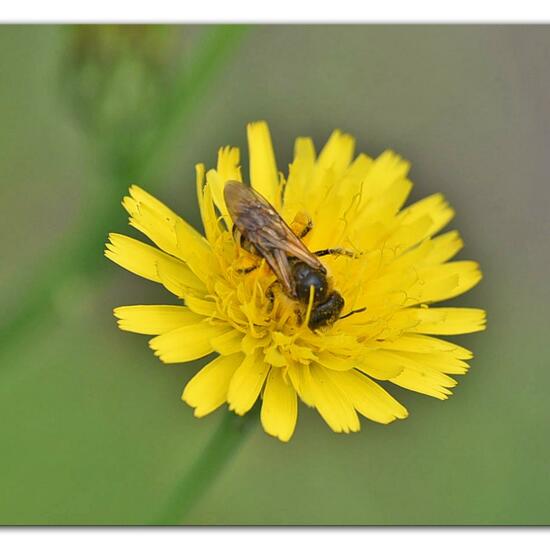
(419, 376)
(152, 218)
(187, 343)
(384, 171)
(228, 343)
(166, 229)
(409, 234)
(446, 320)
(337, 153)
(333, 405)
(171, 277)
(207, 390)
(279, 407)
(264, 177)
(422, 285)
(425, 344)
(135, 256)
(417, 381)
(204, 307)
(444, 247)
(154, 319)
(334, 362)
(368, 397)
(299, 375)
(443, 362)
(209, 218)
(194, 250)
(247, 383)
(380, 364)
(300, 176)
(429, 252)
(145, 260)
(435, 206)
(444, 281)
(323, 199)
(227, 169)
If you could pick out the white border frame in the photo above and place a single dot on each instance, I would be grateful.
(282, 11)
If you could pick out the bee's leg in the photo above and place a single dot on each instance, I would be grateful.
(246, 270)
(308, 227)
(269, 293)
(360, 310)
(336, 252)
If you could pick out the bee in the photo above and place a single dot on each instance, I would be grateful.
(259, 229)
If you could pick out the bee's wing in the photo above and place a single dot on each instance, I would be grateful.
(280, 236)
(278, 262)
(260, 223)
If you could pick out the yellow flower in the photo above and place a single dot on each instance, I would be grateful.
(265, 349)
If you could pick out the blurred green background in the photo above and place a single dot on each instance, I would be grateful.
(93, 430)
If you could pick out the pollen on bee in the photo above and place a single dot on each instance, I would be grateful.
(301, 225)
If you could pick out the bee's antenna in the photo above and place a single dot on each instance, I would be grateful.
(360, 310)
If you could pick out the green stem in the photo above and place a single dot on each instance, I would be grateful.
(71, 259)
(79, 255)
(221, 448)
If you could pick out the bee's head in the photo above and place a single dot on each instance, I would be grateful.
(305, 277)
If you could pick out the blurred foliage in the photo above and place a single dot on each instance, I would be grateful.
(117, 78)
(93, 427)
(129, 128)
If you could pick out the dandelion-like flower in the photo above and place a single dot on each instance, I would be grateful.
(232, 303)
